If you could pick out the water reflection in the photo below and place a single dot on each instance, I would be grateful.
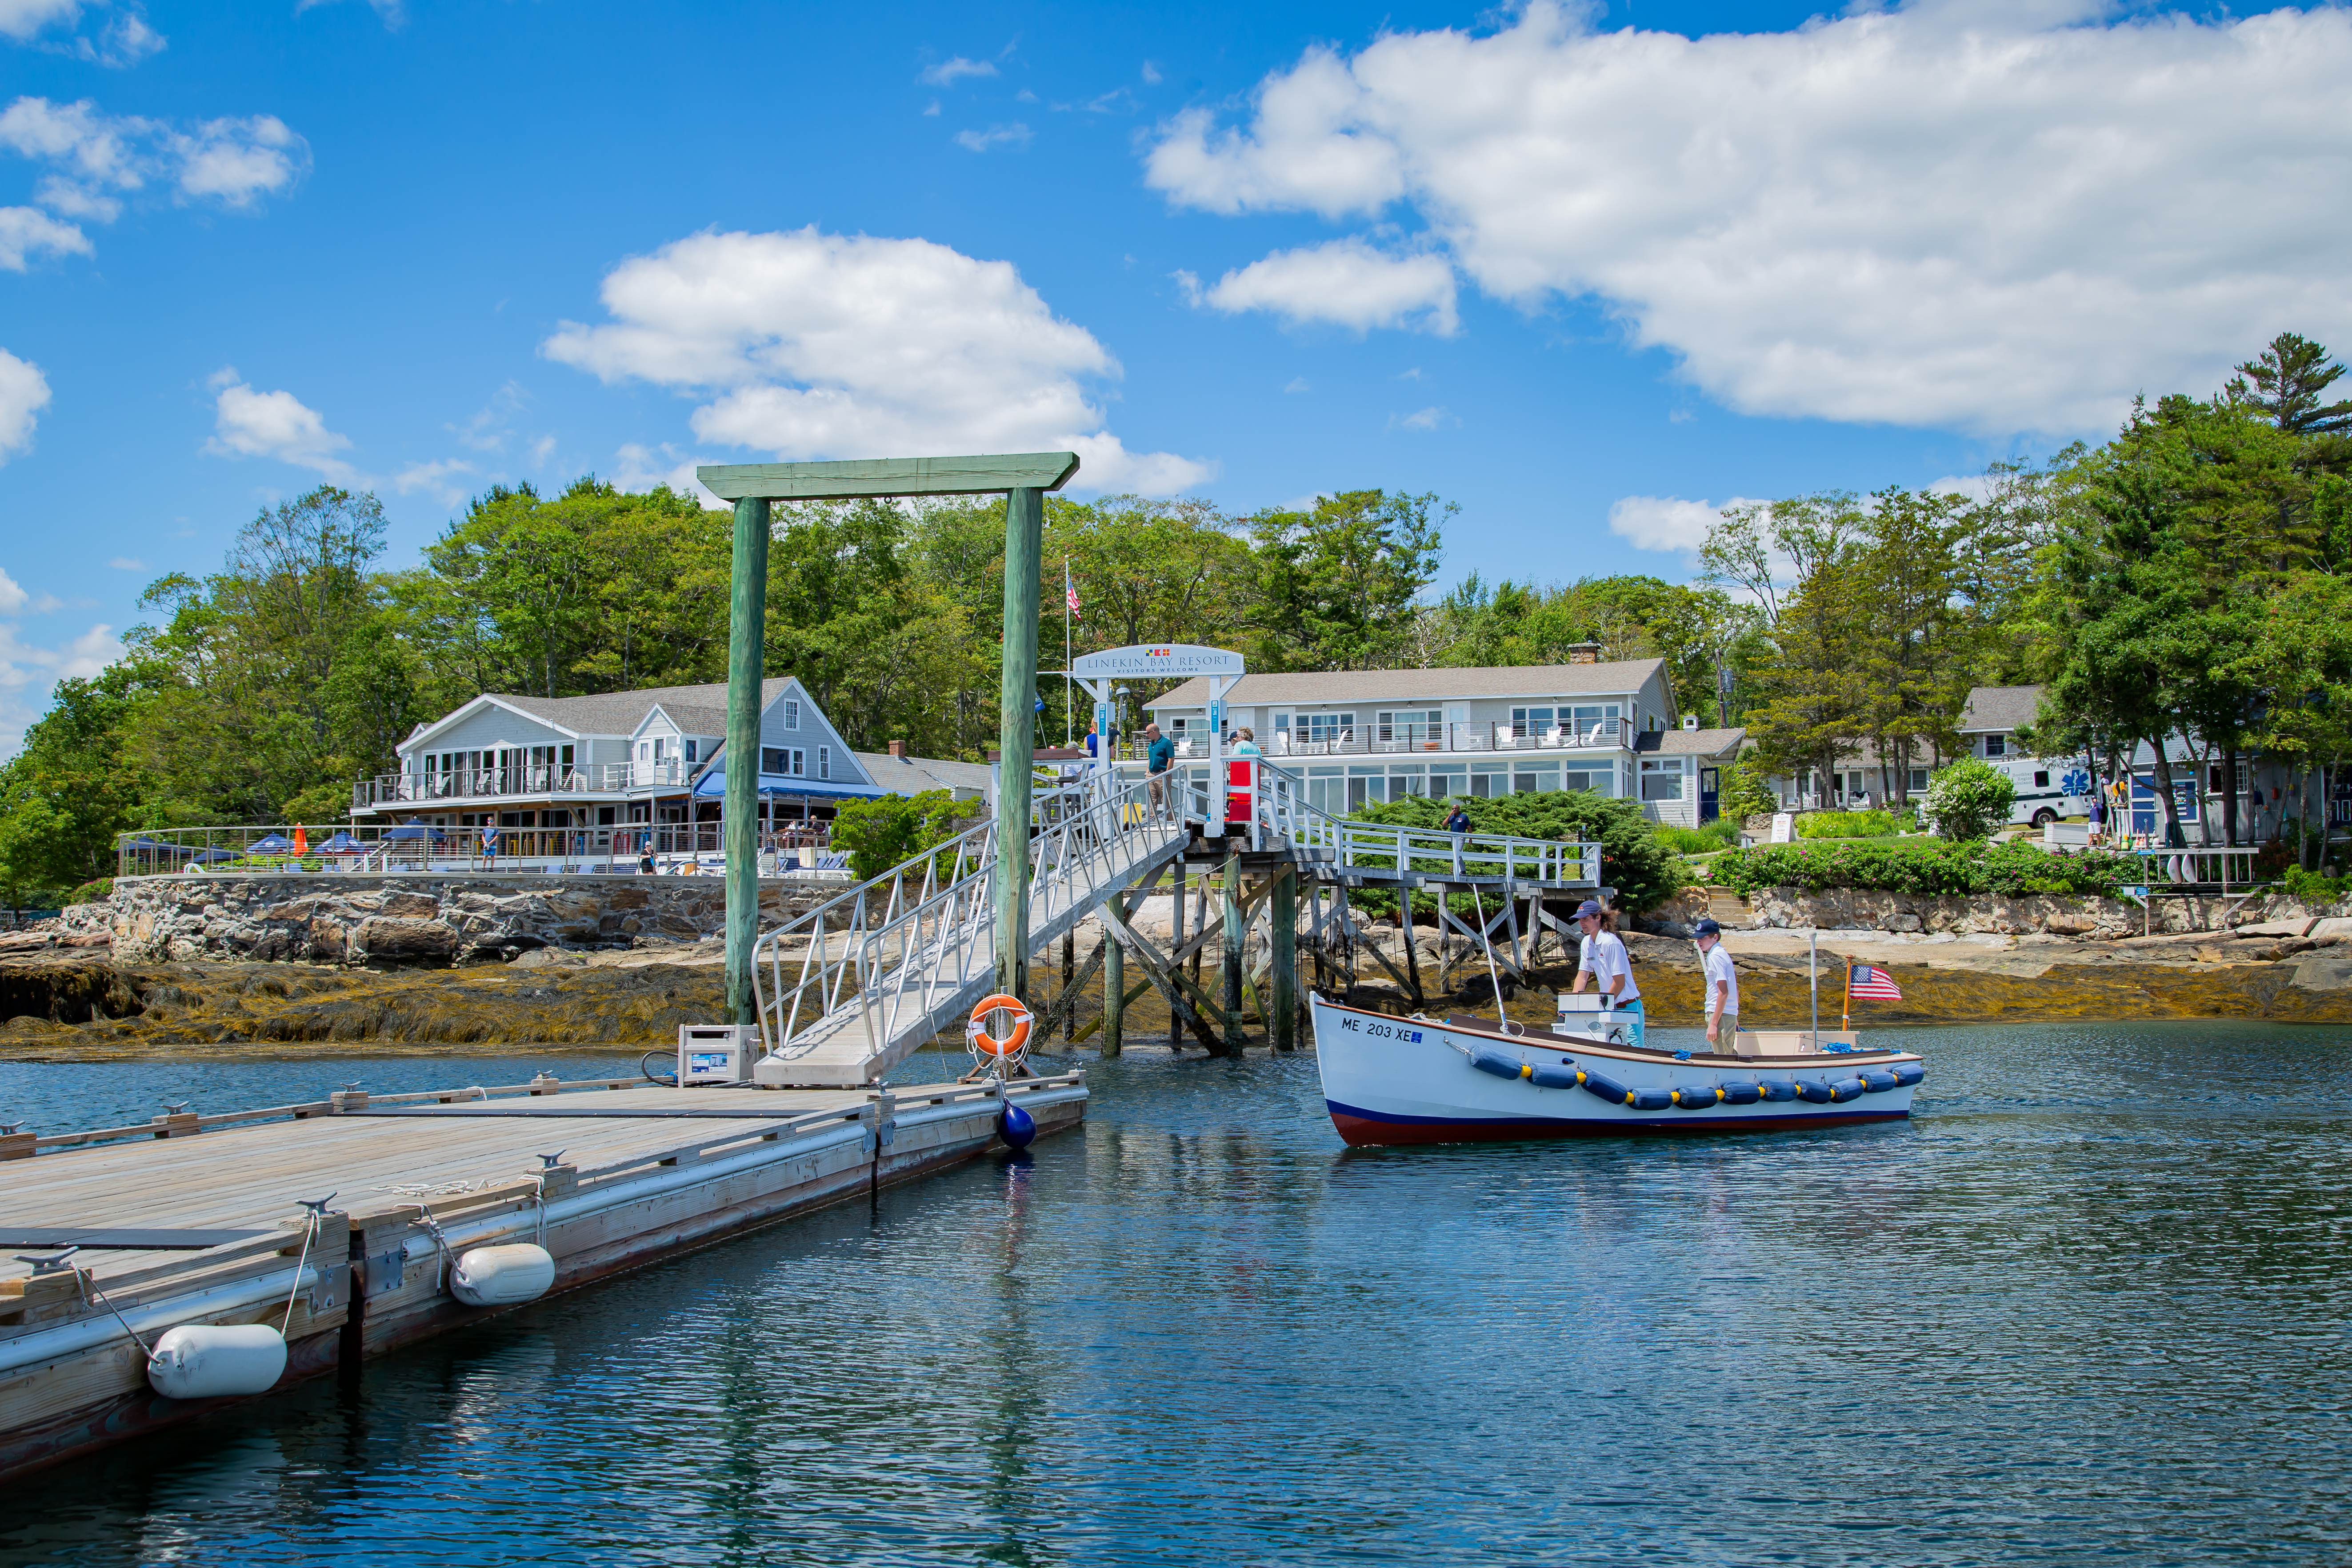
(2087, 1305)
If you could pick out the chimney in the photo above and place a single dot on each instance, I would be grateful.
(1584, 653)
(1690, 721)
(898, 749)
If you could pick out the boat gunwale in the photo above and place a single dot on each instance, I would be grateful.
(1583, 1045)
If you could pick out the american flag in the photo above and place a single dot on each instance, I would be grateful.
(1868, 981)
(1070, 594)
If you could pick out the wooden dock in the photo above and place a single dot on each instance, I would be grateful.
(202, 1220)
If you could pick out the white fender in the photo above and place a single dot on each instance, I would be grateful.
(214, 1360)
(502, 1276)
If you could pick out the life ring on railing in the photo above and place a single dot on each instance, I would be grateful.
(983, 1043)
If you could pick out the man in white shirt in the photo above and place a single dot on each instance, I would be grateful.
(1722, 984)
(1601, 958)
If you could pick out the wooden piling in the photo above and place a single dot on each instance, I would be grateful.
(1176, 944)
(1114, 995)
(746, 665)
(1024, 517)
(1234, 931)
(1282, 1010)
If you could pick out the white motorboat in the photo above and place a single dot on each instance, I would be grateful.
(1388, 1080)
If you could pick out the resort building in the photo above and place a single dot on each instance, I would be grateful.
(554, 773)
(1363, 736)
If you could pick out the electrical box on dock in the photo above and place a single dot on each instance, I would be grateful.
(716, 1053)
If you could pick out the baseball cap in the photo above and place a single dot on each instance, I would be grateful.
(1588, 908)
(1706, 928)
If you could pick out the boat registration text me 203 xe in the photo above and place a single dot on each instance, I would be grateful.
(1388, 1080)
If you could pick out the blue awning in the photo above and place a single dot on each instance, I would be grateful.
(713, 785)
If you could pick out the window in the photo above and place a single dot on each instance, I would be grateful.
(792, 713)
(1661, 780)
(1534, 780)
(1591, 722)
(691, 747)
(1366, 786)
(1855, 787)
(1448, 779)
(1534, 722)
(1918, 778)
(1996, 746)
(645, 750)
(658, 748)
(771, 759)
(799, 761)
(825, 762)
(2040, 778)
(1404, 783)
(1327, 727)
(1413, 725)
(1490, 779)
(564, 755)
(603, 817)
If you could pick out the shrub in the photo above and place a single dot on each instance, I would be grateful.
(92, 892)
(1745, 793)
(2311, 888)
(1640, 864)
(1966, 800)
(1721, 834)
(889, 829)
(1962, 869)
(1845, 824)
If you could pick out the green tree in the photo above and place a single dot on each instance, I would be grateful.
(2289, 377)
(1336, 584)
(1968, 800)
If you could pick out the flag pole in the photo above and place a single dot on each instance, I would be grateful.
(1069, 690)
(1813, 980)
(1845, 1018)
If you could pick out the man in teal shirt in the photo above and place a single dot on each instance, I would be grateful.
(1159, 757)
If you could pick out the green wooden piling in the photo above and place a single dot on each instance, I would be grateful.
(1231, 891)
(1024, 521)
(746, 670)
(1282, 1023)
(1114, 993)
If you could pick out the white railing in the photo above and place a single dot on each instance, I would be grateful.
(1382, 851)
(914, 942)
(533, 779)
(1372, 741)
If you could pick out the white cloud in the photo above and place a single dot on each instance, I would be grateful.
(24, 392)
(30, 671)
(1430, 418)
(1299, 384)
(2001, 219)
(249, 424)
(1978, 486)
(642, 469)
(1150, 72)
(1346, 282)
(98, 159)
(812, 345)
(1015, 135)
(1667, 523)
(955, 67)
(128, 564)
(24, 232)
(435, 479)
(13, 597)
(24, 19)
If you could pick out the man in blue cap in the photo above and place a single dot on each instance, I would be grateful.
(1721, 983)
(1600, 957)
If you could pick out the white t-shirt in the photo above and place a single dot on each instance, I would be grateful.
(1716, 963)
(1601, 955)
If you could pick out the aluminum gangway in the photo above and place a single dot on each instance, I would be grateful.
(850, 989)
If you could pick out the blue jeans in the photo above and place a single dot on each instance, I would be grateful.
(1639, 1030)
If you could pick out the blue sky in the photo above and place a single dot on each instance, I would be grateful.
(1586, 273)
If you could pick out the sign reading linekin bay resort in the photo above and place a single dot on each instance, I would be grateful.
(1155, 661)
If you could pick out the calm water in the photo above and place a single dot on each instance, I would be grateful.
(2089, 1306)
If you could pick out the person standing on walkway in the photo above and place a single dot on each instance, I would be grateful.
(1460, 821)
(1245, 743)
(1159, 755)
(1722, 985)
(1601, 958)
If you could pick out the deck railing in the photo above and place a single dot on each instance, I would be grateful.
(1373, 740)
(376, 849)
(531, 779)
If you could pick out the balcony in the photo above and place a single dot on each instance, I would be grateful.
(536, 781)
(1374, 741)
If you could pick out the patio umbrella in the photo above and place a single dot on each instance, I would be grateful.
(342, 843)
(271, 843)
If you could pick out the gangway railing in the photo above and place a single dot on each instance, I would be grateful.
(873, 973)
(1381, 852)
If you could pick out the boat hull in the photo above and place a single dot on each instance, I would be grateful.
(1389, 1081)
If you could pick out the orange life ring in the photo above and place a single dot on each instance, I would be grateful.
(987, 1044)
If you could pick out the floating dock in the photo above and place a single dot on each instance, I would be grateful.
(209, 1219)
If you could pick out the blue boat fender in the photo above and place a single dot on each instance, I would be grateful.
(1742, 1093)
(1495, 1062)
(1607, 1088)
(1876, 1081)
(1843, 1089)
(1650, 1098)
(1692, 1098)
(1546, 1076)
(1016, 1127)
(1776, 1090)
(1815, 1090)
(1908, 1073)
